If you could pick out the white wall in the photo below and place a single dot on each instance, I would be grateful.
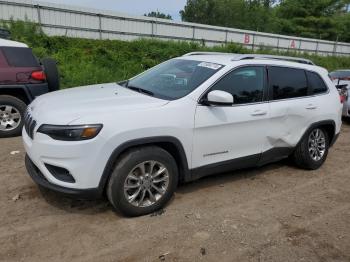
(82, 22)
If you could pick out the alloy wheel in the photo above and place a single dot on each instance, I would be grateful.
(317, 144)
(10, 118)
(146, 183)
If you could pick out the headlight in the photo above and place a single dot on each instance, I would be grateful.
(71, 133)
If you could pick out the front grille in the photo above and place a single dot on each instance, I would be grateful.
(29, 124)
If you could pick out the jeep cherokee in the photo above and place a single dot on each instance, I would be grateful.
(189, 117)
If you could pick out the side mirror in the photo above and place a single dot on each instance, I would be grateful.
(218, 98)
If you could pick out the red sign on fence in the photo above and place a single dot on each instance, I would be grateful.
(292, 44)
(246, 39)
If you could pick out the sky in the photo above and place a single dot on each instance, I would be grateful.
(132, 7)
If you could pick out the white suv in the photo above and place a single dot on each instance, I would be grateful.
(189, 117)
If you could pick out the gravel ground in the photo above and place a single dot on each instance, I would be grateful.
(274, 213)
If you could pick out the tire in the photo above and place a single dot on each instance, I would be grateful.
(305, 156)
(131, 163)
(11, 108)
(51, 72)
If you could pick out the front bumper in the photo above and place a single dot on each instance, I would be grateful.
(84, 160)
(39, 178)
(37, 89)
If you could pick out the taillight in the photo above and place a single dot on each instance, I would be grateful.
(343, 93)
(342, 99)
(38, 75)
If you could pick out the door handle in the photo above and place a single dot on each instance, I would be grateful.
(311, 107)
(259, 113)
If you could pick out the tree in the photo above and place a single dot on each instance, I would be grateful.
(260, 15)
(323, 19)
(158, 14)
(342, 22)
(243, 14)
(313, 18)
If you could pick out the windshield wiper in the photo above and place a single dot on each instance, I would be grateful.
(123, 83)
(139, 89)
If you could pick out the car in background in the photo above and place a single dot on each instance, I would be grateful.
(4, 33)
(22, 78)
(341, 78)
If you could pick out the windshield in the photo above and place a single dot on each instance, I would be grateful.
(173, 79)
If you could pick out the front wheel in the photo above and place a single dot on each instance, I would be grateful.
(143, 181)
(312, 151)
(11, 116)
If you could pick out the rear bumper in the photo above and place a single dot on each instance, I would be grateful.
(40, 179)
(346, 109)
(335, 138)
(37, 89)
(31, 91)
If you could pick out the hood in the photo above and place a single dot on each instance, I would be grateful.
(65, 106)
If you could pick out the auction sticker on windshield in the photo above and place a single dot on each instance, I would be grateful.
(210, 65)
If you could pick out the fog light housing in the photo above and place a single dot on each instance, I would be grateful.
(60, 173)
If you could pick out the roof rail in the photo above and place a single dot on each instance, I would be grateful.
(208, 53)
(275, 57)
(237, 57)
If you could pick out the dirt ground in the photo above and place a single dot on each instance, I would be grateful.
(274, 213)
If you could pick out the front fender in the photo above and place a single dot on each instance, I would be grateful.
(144, 142)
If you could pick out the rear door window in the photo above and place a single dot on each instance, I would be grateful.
(316, 84)
(20, 57)
(287, 83)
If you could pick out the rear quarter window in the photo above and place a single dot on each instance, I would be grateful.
(316, 84)
(287, 82)
(19, 57)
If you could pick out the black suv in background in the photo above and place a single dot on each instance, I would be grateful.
(22, 78)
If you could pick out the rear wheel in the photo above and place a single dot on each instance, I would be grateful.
(143, 181)
(313, 149)
(12, 112)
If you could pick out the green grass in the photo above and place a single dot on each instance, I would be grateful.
(86, 61)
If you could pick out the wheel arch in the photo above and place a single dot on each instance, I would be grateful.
(328, 125)
(19, 92)
(171, 144)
